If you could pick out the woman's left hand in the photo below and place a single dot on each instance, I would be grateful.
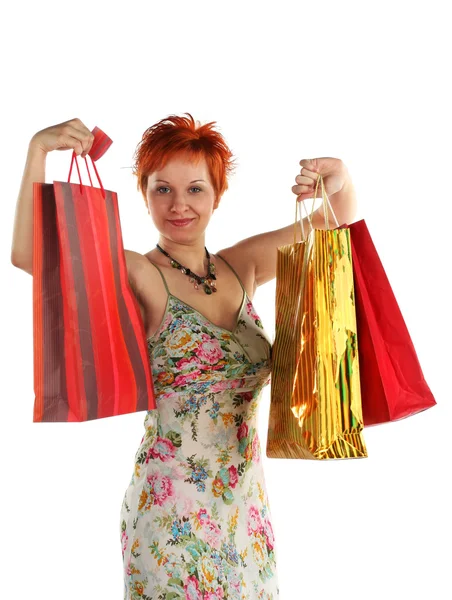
(334, 174)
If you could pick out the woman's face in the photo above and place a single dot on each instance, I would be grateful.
(181, 190)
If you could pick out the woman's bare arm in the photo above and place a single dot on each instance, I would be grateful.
(22, 244)
(69, 135)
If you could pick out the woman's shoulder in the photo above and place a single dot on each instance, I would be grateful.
(135, 262)
(236, 258)
(142, 277)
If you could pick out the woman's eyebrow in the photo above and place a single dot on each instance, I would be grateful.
(194, 181)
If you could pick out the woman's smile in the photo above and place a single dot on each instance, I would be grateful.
(180, 222)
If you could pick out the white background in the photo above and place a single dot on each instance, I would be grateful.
(366, 83)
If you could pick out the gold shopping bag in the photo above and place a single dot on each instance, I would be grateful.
(315, 405)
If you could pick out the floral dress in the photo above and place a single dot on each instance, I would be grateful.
(195, 522)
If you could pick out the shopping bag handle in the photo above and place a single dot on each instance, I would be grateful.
(326, 203)
(99, 146)
(74, 157)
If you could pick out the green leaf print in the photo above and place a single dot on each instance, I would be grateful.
(176, 583)
(228, 496)
(242, 467)
(173, 360)
(238, 400)
(175, 437)
(215, 514)
(141, 457)
(165, 522)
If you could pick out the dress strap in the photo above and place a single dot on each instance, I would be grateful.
(234, 271)
(164, 280)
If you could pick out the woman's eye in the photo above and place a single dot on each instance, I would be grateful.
(163, 187)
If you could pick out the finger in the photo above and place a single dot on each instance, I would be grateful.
(307, 196)
(309, 165)
(303, 189)
(305, 179)
(82, 134)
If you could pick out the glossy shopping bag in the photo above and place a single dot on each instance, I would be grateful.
(90, 352)
(315, 405)
(391, 376)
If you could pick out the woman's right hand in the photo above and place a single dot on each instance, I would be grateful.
(70, 135)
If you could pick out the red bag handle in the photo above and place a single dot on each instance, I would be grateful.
(100, 145)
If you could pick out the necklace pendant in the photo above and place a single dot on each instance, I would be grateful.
(207, 282)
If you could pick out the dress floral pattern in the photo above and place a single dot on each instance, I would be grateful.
(195, 522)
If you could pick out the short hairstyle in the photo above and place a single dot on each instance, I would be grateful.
(181, 135)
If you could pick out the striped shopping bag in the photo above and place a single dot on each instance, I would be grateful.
(90, 355)
(315, 404)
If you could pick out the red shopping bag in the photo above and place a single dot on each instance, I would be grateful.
(392, 384)
(90, 352)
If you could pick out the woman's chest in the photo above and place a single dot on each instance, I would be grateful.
(221, 309)
(188, 347)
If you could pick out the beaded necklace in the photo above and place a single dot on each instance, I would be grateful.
(208, 281)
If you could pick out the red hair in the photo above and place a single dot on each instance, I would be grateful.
(181, 135)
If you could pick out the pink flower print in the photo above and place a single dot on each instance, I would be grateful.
(233, 476)
(234, 584)
(187, 377)
(248, 396)
(212, 534)
(191, 589)
(254, 520)
(220, 386)
(235, 383)
(242, 431)
(124, 541)
(167, 321)
(225, 384)
(252, 313)
(183, 363)
(161, 487)
(185, 506)
(168, 395)
(209, 351)
(163, 449)
(218, 594)
(217, 367)
(129, 566)
(256, 448)
(268, 533)
(202, 516)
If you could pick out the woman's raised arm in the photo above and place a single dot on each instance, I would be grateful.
(69, 135)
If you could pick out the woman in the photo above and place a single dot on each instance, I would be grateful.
(195, 520)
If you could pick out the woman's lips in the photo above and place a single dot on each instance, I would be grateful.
(180, 222)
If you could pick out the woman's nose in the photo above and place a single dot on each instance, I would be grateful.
(179, 202)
